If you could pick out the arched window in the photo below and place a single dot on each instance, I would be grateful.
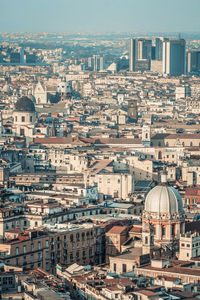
(163, 230)
(173, 230)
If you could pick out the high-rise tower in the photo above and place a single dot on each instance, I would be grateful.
(132, 55)
(174, 57)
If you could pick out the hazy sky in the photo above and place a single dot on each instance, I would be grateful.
(99, 15)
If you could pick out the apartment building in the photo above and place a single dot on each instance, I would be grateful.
(59, 243)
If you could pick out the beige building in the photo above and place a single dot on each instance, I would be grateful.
(115, 238)
(185, 140)
(117, 185)
(189, 246)
(10, 218)
(126, 262)
(191, 172)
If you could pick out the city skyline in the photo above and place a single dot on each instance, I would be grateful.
(103, 16)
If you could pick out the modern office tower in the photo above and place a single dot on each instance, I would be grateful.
(159, 48)
(22, 56)
(90, 63)
(96, 59)
(193, 61)
(101, 63)
(143, 49)
(153, 52)
(97, 63)
(147, 49)
(132, 55)
(174, 57)
(139, 47)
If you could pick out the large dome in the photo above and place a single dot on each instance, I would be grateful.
(164, 199)
(25, 104)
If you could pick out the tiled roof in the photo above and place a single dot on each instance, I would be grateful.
(117, 230)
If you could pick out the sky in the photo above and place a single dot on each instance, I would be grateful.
(99, 15)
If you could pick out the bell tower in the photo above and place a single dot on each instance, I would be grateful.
(146, 135)
(147, 238)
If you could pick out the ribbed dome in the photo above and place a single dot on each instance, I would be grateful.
(164, 199)
(25, 104)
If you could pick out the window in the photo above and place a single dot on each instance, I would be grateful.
(31, 119)
(39, 245)
(47, 243)
(17, 250)
(123, 268)
(146, 239)
(173, 229)
(163, 230)
(83, 236)
(15, 119)
(114, 267)
(77, 237)
(21, 131)
(24, 249)
(71, 238)
(23, 119)
(47, 266)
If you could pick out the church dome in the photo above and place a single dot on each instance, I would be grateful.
(25, 104)
(164, 199)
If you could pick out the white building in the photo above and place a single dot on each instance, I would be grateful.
(189, 246)
(182, 92)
